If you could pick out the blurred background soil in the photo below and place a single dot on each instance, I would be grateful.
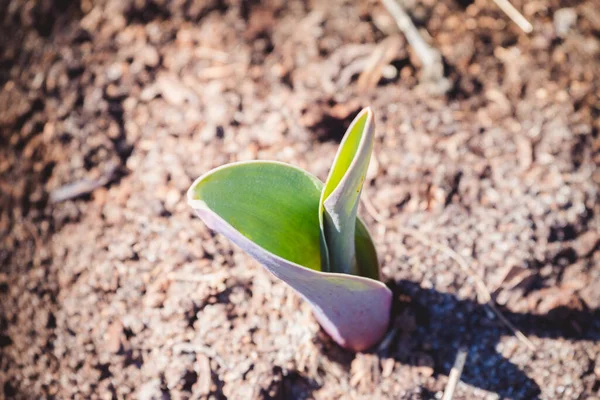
(111, 288)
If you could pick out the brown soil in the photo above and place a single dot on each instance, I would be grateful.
(111, 288)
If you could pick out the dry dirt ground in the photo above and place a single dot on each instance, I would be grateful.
(111, 288)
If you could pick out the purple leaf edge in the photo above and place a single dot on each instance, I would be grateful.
(353, 310)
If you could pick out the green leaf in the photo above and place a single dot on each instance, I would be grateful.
(270, 210)
(366, 254)
(274, 205)
(339, 200)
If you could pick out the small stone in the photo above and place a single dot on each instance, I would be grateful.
(586, 243)
(174, 91)
(115, 71)
(114, 337)
(204, 382)
(425, 365)
(121, 250)
(173, 197)
(591, 295)
(564, 20)
(150, 390)
(149, 56)
(154, 300)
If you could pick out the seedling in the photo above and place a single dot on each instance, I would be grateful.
(307, 233)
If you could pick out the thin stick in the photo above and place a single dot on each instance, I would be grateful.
(383, 54)
(483, 291)
(426, 53)
(455, 373)
(433, 68)
(388, 338)
(482, 288)
(82, 187)
(515, 15)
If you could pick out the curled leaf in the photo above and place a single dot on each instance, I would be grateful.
(272, 204)
(339, 199)
(271, 211)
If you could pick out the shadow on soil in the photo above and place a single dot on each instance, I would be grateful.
(442, 324)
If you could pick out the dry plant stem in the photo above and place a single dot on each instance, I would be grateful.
(383, 54)
(455, 373)
(483, 291)
(514, 15)
(82, 187)
(426, 54)
(433, 69)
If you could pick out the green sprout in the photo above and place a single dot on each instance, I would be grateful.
(307, 233)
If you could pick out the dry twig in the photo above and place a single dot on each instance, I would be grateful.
(483, 291)
(455, 372)
(515, 15)
(82, 187)
(383, 55)
(433, 69)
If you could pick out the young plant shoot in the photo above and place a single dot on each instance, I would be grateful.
(307, 233)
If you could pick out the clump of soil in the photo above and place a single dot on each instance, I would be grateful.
(111, 288)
